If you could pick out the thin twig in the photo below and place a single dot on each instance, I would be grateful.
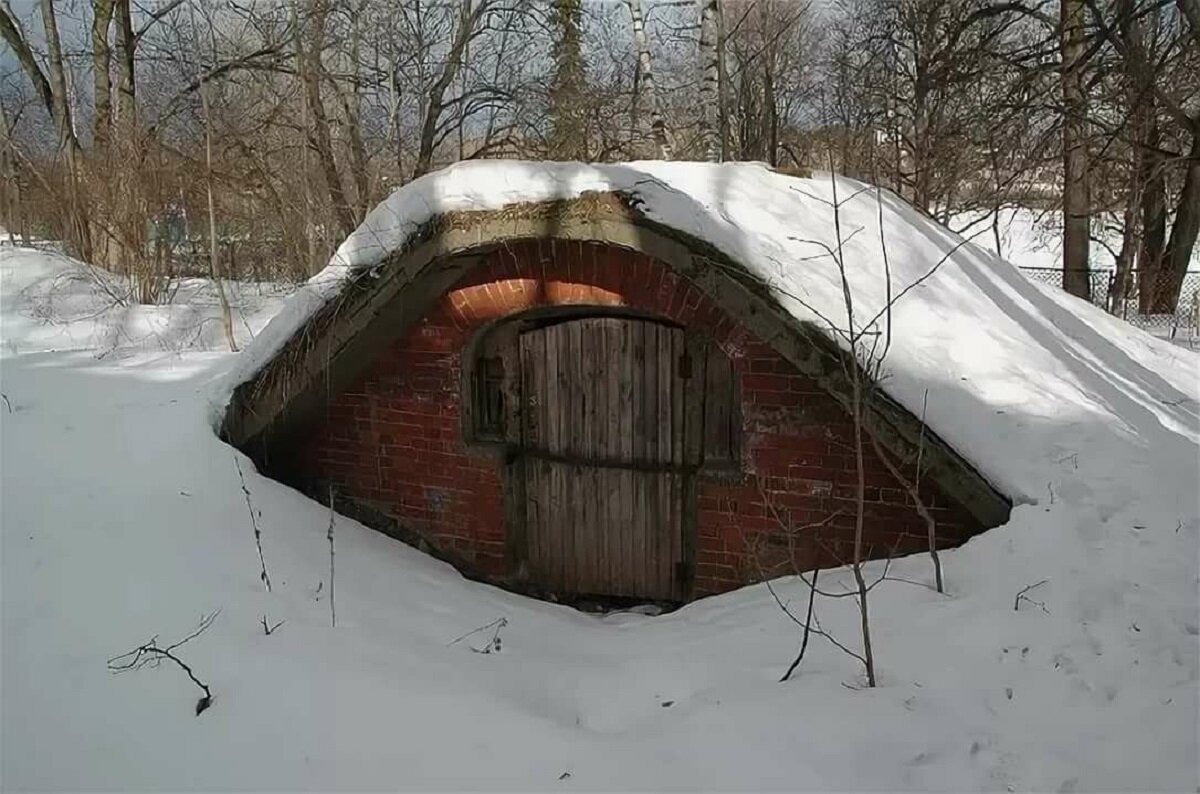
(812, 595)
(496, 624)
(814, 626)
(332, 608)
(922, 509)
(1022, 597)
(254, 524)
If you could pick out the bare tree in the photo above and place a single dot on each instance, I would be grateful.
(52, 88)
(312, 74)
(470, 14)
(1160, 75)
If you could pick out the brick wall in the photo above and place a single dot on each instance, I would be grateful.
(393, 440)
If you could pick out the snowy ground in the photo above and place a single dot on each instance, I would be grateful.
(50, 302)
(121, 517)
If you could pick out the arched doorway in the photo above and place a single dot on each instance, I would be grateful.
(607, 419)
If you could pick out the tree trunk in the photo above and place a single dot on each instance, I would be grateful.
(358, 159)
(658, 125)
(358, 150)
(1183, 237)
(126, 78)
(722, 87)
(1154, 221)
(10, 188)
(710, 82)
(1076, 198)
(129, 206)
(1140, 97)
(312, 71)
(568, 134)
(102, 14)
(919, 166)
(771, 109)
(213, 249)
(76, 230)
(467, 20)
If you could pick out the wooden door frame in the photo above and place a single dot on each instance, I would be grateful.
(514, 453)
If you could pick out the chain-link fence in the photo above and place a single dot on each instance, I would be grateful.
(1137, 306)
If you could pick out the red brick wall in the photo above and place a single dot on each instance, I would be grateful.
(393, 440)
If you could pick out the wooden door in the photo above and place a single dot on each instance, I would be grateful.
(603, 413)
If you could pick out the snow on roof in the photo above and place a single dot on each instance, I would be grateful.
(1027, 383)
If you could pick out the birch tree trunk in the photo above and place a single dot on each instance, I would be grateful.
(658, 125)
(710, 80)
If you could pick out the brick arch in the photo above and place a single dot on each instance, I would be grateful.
(550, 274)
(392, 443)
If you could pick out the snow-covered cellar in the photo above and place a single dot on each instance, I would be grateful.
(580, 381)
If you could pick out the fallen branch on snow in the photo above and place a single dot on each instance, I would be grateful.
(1022, 597)
(150, 654)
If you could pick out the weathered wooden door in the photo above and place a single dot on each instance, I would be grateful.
(603, 442)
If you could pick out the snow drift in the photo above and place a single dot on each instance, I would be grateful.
(122, 517)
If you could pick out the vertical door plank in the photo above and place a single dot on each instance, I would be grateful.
(637, 424)
(587, 386)
(612, 450)
(531, 373)
(645, 525)
(587, 560)
(573, 405)
(651, 388)
(677, 389)
(666, 558)
(627, 390)
(677, 531)
(632, 526)
(535, 504)
(550, 391)
(545, 562)
(637, 452)
(570, 530)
